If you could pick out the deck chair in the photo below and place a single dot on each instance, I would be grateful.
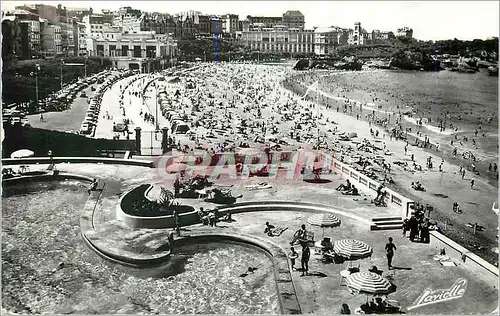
(277, 231)
(309, 238)
(393, 306)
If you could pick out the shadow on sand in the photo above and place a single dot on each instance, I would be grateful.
(317, 181)
(401, 268)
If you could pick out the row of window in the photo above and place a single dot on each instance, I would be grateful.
(284, 48)
(257, 38)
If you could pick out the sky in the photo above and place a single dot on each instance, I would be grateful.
(430, 20)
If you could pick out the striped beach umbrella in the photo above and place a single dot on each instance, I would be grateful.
(324, 220)
(368, 283)
(352, 249)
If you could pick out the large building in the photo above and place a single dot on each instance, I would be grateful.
(144, 51)
(291, 19)
(359, 36)
(204, 23)
(379, 36)
(404, 32)
(294, 19)
(125, 15)
(79, 29)
(356, 35)
(326, 40)
(95, 25)
(51, 39)
(280, 40)
(127, 19)
(230, 24)
(16, 38)
(53, 16)
(260, 22)
(34, 39)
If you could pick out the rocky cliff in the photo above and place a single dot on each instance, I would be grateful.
(409, 60)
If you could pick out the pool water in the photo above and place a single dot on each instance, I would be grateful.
(46, 267)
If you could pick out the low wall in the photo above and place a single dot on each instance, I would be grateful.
(45, 177)
(260, 206)
(151, 222)
(46, 160)
(92, 239)
(391, 197)
(470, 261)
(191, 218)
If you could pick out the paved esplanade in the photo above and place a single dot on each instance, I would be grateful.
(132, 105)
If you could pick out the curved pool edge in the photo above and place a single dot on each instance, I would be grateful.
(77, 160)
(287, 296)
(46, 177)
(93, 239)
(192, 218)
(187, 219)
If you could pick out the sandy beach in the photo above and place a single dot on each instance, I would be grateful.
(255, 95)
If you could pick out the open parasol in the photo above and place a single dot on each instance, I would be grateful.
(22, 153)
(324, 220)
(352, 249)
(368, 283)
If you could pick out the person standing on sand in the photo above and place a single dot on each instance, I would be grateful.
(390, 247)
(405, 226)
(413, 227)
(472, 183)
(306, 255)
(293, 255)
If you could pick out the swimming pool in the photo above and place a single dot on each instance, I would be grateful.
(46, 267)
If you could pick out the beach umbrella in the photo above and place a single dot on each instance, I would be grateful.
(352, 249)
(176, 167)
(369, 283)
(324, 220)
(21, 153)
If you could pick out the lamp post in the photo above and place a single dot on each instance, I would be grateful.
(37, 69)
(62, 63)
(156, 101)
(171, 51)
(317, 104)
(85, 66)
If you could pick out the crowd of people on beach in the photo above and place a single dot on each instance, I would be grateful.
(378, 105)
(230, 107)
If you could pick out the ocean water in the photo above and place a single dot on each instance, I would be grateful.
(465, 100)
(430, 93)
(46, 267)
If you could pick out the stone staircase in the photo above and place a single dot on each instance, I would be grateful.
(386, 223)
